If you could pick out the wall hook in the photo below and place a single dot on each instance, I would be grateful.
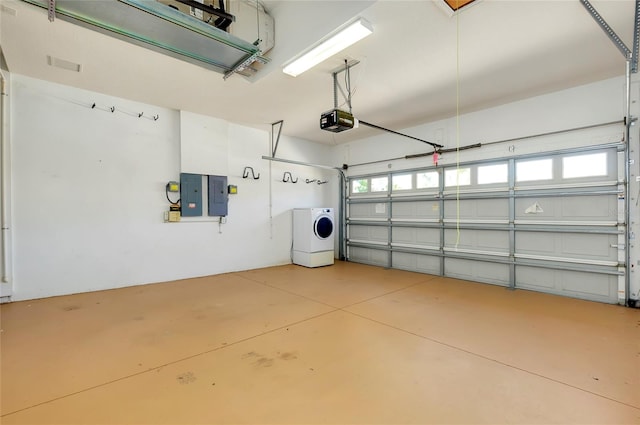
(113, 109)
(140, 114)
(323, 181)
(245, 173)
(155, 117)
(310, 181)
(93, 106)
(290, 178)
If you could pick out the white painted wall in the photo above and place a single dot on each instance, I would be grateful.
(203, 144)
(577, 107)
(88, 185)
(88, 195)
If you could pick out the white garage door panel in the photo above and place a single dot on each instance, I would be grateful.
(416, 210)
(482, 241)
(535, 278)
(599, 208)
(369, 233)
(416, 262)
(593, 246)
(416, 236)
(374, 210)
(590, 207)
(477, 209)
(479, 271)
(585, 246)
(549, 221)
(369, 256)
(591, 286)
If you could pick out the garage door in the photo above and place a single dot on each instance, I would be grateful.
(549, 222)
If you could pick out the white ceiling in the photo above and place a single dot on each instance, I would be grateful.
(412, 67)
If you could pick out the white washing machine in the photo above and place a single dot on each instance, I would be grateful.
(313, 236)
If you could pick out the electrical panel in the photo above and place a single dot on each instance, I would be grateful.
(218, 196)
(191, 194)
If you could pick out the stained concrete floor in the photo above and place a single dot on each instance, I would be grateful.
(343, 344)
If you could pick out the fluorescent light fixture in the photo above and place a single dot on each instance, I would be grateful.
(331, 45)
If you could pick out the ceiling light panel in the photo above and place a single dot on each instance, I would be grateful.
(331, 45)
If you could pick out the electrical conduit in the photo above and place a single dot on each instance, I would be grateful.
(6, 177)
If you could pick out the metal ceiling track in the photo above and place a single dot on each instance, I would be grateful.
(436, 146)
(636, 41)
(51, 6)
(626, 52)
(347, 96)
(158, 27)
(631, 58)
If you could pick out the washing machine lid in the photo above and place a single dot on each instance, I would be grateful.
(323, 227)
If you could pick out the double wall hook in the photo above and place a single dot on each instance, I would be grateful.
(286, 179)
(310, 181)
(245, 173)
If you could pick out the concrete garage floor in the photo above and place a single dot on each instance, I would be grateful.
(342, 344)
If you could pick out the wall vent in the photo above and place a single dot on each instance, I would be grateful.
(64, 64)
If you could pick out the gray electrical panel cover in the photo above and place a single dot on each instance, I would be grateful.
(190, 195)
(218, 196)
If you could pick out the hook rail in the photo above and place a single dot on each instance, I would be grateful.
(112, 109)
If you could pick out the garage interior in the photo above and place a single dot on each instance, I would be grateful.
(434, 225)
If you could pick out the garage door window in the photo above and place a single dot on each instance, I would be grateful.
(402, 182)
(380, 184)
(360, 186)
(427, 180)
(488, 174)
(457, 177)
(594, 164)
(541, 169)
